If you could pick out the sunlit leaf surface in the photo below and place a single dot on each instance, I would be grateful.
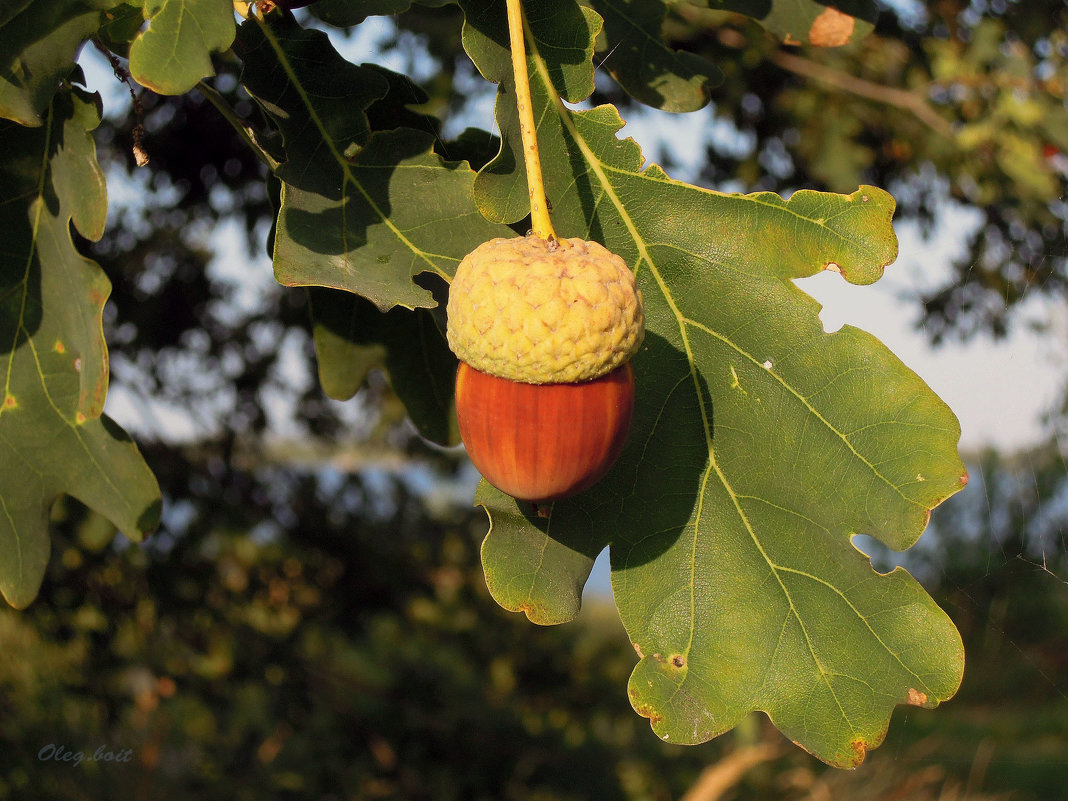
(174, 51)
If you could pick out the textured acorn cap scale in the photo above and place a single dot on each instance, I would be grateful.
(539, 311)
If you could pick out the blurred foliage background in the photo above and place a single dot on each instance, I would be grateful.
(311, 620)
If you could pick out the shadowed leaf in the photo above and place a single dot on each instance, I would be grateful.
(352, 337)
(346, 13)
(38, 45)
(53, 438)
(633, 50)
(364, 212)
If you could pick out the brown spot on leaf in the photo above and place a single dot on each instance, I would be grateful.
(10, 402)
(860, 750)
(646, 711)
(832, 28)
(678, 661)
(79, 418)
(915, 697)
(638, 650)
(59, 347)
(963, 479)
(833, 267)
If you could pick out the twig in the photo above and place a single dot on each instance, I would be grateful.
(139, 153)
(243, 128)
(539, 206)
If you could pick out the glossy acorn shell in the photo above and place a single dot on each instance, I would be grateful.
(543, 442)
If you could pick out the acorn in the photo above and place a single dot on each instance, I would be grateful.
(544, 330)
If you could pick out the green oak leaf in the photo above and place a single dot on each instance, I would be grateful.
(352, 337)
(814, 22)
(362, 213)
(633, 50)
(761, 445)
(54, 439)
(174, 51)
(39, 43)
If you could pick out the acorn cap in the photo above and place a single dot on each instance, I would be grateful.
(544, 312)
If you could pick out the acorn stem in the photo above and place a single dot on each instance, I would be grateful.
(539, 206)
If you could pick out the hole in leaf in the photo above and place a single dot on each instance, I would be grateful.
(883, 559)
(599, 584)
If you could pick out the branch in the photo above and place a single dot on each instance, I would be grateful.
(902, 98)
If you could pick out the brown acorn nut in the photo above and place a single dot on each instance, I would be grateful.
(545, 392)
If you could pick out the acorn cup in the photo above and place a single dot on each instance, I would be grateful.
(544, 331)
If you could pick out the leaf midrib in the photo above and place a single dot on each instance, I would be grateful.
(20, 325)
